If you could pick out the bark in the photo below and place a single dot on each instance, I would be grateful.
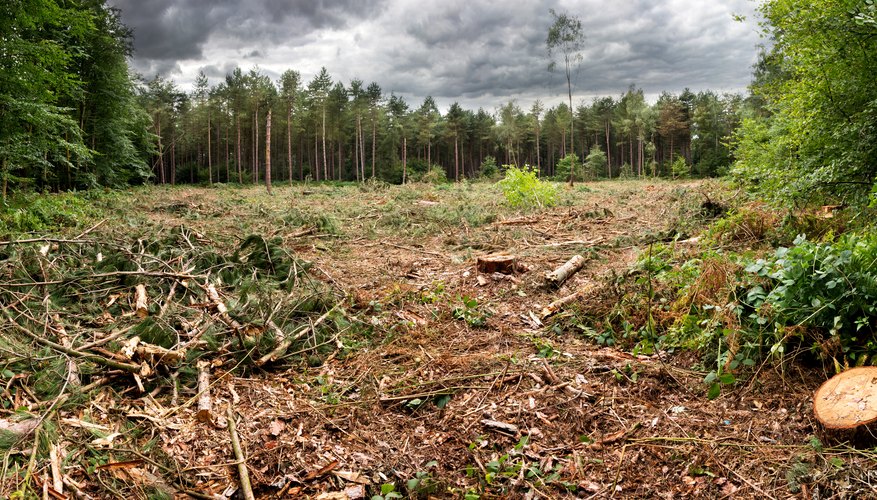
(268, 152)
(289, 142)
(374, 145)
(209, 150)
(238, 152)
(205, 403)
(561, 274)
(404, 159)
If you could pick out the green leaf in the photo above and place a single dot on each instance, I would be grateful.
(714, 391)
(727, 378)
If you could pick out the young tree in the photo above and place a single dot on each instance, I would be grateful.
(535, 116)
(373, 93)
(455, 123)
(289, 82)
(566, 39)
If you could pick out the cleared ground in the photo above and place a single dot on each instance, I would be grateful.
(434, 378)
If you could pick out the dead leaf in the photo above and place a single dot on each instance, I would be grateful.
(129, 464)
(351, 476)
(276, 427)
(333, 495)
(355, 492)
(107, 440)
(321, 472)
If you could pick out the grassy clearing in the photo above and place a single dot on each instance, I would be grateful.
(349, 330)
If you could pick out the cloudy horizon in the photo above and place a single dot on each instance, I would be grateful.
(478, 53)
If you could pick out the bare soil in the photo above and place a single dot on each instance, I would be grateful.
(453, 379)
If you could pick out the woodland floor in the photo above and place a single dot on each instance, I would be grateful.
(415, 392)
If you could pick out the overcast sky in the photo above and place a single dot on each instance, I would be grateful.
(478, 52)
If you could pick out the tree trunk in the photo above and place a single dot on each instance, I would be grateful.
(404, 159)
(209, 156)
(227, 173)
(268, 152)
(374, 145)
(608, 152)
(238, 152)
(173, 160)
(325, 171)
(289, 142)
(538, 151)
(160, 153)
(456, 162)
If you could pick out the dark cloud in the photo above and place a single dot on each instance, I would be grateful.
(477, 52)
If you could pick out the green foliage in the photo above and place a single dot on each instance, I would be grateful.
(489, 169)
(817, 136)
(626, 171)
(680, 167)
(595, 163)
(471, 312)
(565, 165)
(33, 212)
(827, 288)
(523, 189)
(68, 113)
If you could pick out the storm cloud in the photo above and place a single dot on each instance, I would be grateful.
(478, 52)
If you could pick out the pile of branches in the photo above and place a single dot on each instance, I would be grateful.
(138, 316)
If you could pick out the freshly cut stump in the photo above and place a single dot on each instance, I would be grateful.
(847, 400)
(497, 263)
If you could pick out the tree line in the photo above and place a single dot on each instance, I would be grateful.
(325, 129)
(72, 115)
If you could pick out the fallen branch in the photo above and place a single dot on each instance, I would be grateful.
(140, 301)
(205, 404)
(246, 488)
(561, 274)
(562, 302)
(287, 342)
(143, 370)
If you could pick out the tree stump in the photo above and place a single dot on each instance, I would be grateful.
(848, 400)
(497, 263)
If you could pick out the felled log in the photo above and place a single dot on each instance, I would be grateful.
(205, 403)
(140, 301)
(848, 400)
(562, 302)
(497, 263)
(567, 270)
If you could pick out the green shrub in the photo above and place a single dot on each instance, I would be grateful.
(680, 167)
(595, 163)
(436, 175)
(523, 189)
(824, 288)
(488, 169)
(565, 164)
(47, 212)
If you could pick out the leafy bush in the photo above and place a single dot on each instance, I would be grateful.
(46, 212)
(436, 175)
(828, 287)
(565, 164)
(680, 167)
(626, 171)
(595, 163)
(522, 189)
(488, 169)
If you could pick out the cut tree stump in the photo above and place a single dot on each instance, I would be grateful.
(561, 274)
(848, 400)
(498, 263)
